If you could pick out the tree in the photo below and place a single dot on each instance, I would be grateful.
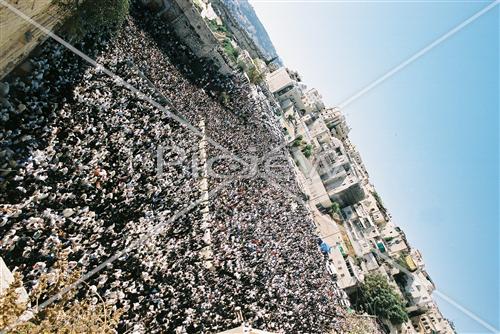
(307, 150)
(297, 141)
(334, 208)
(255, 76)
(212, 24)
(241, 64)
(67, 315)
(224, 99)
(379, 200)
(377, 297)
(230, 50)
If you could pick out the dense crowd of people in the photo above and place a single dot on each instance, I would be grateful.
(79, 172)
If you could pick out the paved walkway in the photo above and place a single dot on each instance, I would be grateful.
(206, 252)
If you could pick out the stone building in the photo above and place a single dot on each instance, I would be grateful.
(191, 28)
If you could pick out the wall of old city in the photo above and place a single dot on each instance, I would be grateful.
(192, 30)
(18, 37)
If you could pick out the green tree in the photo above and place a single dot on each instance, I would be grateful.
(378, 199)
(224, 99)
(334, 208)
(230, 50)
(212, 24)
(307, 150)
(378, 298)
(255, 76)
(241, 64)
(297, 141)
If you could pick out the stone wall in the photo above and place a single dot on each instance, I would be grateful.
(192, 30)
(17, 36)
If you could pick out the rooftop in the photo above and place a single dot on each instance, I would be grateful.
(278, 79)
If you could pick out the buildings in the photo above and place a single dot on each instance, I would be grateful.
(418, 290)
(343, 269)
(432, 322)
(340, 179)
(391, 234)
(336, 122)
(349, 214)
(330, 160)
(248, 64)
(313, 101)
(186, 19)
(284, 87)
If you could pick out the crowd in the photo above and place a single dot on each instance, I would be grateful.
(79, 172)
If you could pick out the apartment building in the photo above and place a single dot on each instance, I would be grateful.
(343, 269)
(313, 101)
(336, 122)
(432, 322)
(416, 257)
(284, 87)
(418, 290)
(261, 65)
(370, 205)
(357, 160)
(392, 235)
(340, 179)
(289, 119)
(366, 239)
(331, 161)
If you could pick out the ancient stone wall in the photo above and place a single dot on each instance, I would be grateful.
(17, 36)
(192, 30)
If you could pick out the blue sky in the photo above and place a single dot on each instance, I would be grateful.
(429, 135)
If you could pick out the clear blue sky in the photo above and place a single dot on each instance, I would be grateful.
(429, 136)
